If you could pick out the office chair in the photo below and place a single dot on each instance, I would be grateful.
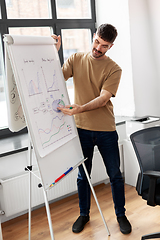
(146, 144)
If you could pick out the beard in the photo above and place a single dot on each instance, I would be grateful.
(97, 54)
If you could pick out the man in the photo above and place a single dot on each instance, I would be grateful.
(96, 78)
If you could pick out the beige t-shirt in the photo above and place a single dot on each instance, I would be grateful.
(90, 76)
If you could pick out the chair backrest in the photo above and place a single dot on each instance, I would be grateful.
(146, 144)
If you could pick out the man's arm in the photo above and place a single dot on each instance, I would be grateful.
(94, 104)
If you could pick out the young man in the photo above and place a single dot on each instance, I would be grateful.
(96, 78)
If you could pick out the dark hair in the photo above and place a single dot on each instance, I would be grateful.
(107, 32)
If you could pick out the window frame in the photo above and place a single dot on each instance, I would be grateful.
(54, 23)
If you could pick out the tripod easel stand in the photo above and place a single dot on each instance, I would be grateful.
(29, 168)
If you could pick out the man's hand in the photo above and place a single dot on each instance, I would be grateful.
(58, 41)
(70, 109)
(96, 103)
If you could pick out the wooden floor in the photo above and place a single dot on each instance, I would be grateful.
(144, 219)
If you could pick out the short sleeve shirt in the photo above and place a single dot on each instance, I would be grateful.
(90, 76)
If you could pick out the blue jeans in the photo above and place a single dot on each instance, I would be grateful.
(107, 143)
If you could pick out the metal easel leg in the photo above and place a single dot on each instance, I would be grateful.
(86, 172)
(48, 215)
(1, 213)
(1, 237)
(29, 168)
(30, 190)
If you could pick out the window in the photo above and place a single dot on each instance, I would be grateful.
(74, 20)
(73, 9)
(74, 40)
(27, 9)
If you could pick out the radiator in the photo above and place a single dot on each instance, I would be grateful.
(14, 192)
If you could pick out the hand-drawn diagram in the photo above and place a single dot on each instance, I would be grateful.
(14, 96)
(13, 92)
(57, 103)
(33, 89)
(44, 90)
(15, 113)
(55, 127)
(52, 84)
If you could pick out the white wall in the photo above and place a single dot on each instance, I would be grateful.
(154, 10)
(145, 48)
(137, 51)
(116, 12)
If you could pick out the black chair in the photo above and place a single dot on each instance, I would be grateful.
(146, 144)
